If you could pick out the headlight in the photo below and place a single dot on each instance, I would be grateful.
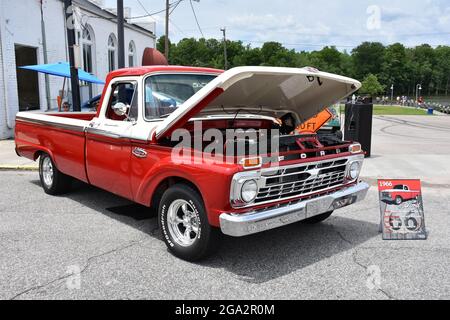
(249, 191)
(354, 170)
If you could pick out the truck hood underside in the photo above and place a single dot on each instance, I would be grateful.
(267, 91)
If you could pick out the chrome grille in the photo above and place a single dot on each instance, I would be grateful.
(301, 180)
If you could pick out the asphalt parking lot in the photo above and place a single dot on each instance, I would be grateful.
(85, 245)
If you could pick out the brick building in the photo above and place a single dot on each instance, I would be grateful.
(21, 43)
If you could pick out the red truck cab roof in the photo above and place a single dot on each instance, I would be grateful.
(140, 71)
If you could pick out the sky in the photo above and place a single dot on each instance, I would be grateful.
(305, 24)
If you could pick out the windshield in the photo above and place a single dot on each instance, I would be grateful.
(165, 93)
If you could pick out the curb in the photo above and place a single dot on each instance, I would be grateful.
(7, 167)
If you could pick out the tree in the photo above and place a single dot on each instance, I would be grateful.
(372, 86)
(441, 75)
(424, 61)
(394, 64)
(368, 59)
(395, 67)
(328, 59)
(269, 50)
(160, 44)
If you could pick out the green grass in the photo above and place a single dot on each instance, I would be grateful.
(394, 111)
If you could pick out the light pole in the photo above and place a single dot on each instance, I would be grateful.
(75, 85)
(392, 93)
(45, 53)
(418, 89)
(120, 34)
(224, 30)
(166, 40)
(168, 13)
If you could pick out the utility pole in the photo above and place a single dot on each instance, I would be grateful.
(166, 44)
(44, 49)
(120, 34)
(224, 31)
(75, 84)
(392, 93)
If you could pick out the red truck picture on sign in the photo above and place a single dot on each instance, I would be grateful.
(399, 194)
(402, 215)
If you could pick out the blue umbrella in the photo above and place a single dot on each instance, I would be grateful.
(62, 69)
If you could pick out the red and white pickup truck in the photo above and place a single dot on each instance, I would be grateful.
(130, 148)
(399, 194)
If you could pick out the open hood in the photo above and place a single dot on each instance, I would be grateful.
(267, 91)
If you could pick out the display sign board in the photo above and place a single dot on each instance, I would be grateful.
(315, 123)
(401, 206)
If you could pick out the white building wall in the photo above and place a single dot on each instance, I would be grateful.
(102, 30)
(20, 23)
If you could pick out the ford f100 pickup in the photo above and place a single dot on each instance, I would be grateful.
(399, 194)
(212, 151)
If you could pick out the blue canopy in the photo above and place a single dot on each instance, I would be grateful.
(62, 69)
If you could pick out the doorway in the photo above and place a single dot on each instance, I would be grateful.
(27, 81)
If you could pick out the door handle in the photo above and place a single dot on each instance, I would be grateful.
(139, 153)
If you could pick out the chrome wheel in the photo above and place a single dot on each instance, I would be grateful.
(183, 223)
(47, 171)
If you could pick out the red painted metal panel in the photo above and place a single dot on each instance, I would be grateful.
(108, 164)
(65, 146)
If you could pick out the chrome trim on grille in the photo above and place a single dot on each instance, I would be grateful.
(303, 179)
(307, 179)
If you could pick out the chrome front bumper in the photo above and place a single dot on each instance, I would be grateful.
(245, 224)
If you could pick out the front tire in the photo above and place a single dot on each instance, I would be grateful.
(318, 219)
(184, 224)
(398, 200)
(53, 181)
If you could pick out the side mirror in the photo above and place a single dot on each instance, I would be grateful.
(120, 109)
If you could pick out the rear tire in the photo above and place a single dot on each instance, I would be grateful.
(318, 219)
(184, 224)
(53, 181)
(398, 200)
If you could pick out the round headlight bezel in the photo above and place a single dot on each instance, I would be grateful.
(354, 170)
(248, 187)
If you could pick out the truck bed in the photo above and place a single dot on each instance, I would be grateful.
(62, 135)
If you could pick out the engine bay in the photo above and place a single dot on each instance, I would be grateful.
(256, 137)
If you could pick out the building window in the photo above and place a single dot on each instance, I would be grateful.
(87, 43)
(112, 45)
(131, 54)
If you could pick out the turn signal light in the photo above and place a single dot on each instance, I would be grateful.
(355, 148)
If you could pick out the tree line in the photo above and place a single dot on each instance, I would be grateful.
(375, 64)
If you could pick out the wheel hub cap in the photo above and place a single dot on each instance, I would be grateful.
(47, 172)
(183, 223)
